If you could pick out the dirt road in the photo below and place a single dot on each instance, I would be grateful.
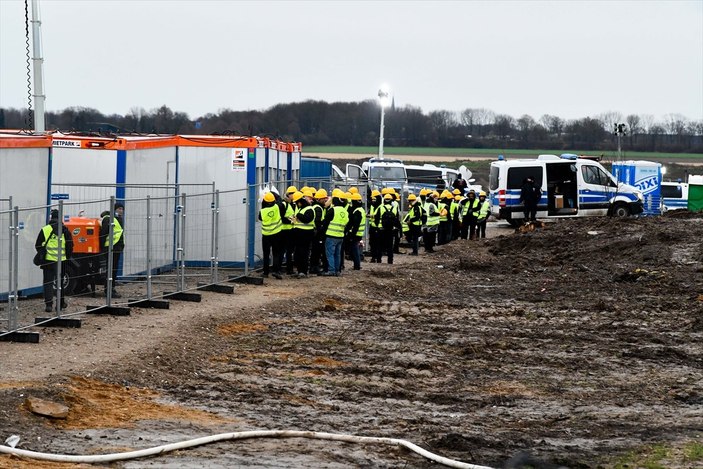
(577, 345)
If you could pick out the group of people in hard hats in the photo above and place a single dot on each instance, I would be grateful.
(310, 231)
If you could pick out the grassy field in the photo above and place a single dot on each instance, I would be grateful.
(489, 153)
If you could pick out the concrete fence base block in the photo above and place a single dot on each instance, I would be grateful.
(25, 337)
(183, 296)
(154, 304)
(58, 322)
(110, 310)
(248, 280)
(227, 289)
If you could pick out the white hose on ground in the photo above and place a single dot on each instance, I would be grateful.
(237, 436)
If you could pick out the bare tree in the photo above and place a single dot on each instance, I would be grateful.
(646, 122)
(633, 125)
(484, 118)
(554, 124)
(609, 119)
(469, 119)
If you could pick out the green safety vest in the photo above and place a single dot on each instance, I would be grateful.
(116, 233)
(432, 217)
(362, 226)
(469, 206)
(338, 223)
(453, 208)
(372, 216)
(289, 213)
(416, 220)
(441, 206)
(271, 221)
(304, 226)
(51, 244)
(484, 210)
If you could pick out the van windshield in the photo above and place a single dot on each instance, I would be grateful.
(395, 173)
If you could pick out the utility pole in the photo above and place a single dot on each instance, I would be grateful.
(620, 131)
(38, 66)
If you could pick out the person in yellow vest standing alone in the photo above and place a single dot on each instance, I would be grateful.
(48, 243)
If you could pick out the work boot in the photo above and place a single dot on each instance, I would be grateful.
(115, 294)
(277, 275)
(48, 308)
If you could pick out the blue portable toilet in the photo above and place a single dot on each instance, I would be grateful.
(645, 176)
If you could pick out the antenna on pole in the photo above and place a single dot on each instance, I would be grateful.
(38, 67)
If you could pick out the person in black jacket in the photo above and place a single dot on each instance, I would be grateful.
(117, 245)
(530, 194)
(47, 243)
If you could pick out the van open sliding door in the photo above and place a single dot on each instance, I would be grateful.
(562, 189)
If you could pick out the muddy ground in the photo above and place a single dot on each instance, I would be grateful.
(576, 345)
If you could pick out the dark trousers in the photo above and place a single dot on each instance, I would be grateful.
(355, 251)
(530, 212)
(288, 247)
(272, 249)
(116, 256)
(443, 232)
(48, 279)
(387, 241)
(414, 237)
(481, 229)
(316, 252)
(456, 228)
(471, 221)
(376, 244)
(303, 241)
(429, 238)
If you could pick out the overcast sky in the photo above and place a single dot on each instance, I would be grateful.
(567, 58)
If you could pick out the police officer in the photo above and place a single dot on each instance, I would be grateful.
(48, 243)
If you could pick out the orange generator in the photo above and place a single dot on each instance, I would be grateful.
(86, 267)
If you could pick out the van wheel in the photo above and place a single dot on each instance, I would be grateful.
(621, 211)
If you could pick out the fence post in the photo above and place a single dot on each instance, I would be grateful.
(59, 263)
(110, 284)
(214, 259)
(13, 266)
(149, 292)
(250, 193)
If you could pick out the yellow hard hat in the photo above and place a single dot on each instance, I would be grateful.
(347, 195)
(356, 196)
(412, 197)
(308, 192)
(457, 198)
(321, 194)
(387, 197)
(304, 188)
(375, 193)
(353, 190)
(446, 194)
(268, 197)
(291, 189)
(424, 191)
(297, 196)
(337, 193)
(386, 190)
(435, 194)
(456, 192)
(482, 194)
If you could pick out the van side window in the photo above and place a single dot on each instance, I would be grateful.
(517, 176)
(493, 178)
(595, 175)
(672, 192)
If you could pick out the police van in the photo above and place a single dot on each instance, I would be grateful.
(674, 195)
(571, 187)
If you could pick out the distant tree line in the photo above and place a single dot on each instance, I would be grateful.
(357, 124)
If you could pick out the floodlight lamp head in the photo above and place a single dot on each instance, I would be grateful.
(384, 95)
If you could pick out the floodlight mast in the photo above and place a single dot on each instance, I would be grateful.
(38, 64)
(384, 94)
